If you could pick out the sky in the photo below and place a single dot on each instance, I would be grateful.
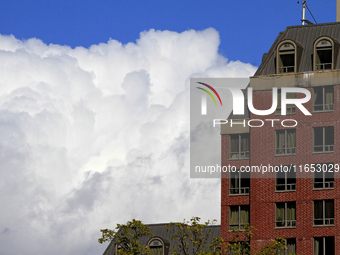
(94, 110)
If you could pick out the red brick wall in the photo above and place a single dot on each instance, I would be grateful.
(262, 190)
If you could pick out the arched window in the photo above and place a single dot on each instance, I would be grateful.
(156, 246)
(286, 57)
(323, 54)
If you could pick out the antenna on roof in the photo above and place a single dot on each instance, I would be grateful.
(304, 21)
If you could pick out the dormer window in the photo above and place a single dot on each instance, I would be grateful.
(323, 54)
(286, 57)
(158, 246)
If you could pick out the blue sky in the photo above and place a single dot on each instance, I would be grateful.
(247, 28)
(99, 134)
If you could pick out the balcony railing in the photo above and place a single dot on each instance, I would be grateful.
(286, 224)
(283, 151)
(323, 148)
(323, 107)
(239, 155)
(286, 69)
(283, 187)
(325, 221)
(241, 191)
(324, 185)
(324, 66)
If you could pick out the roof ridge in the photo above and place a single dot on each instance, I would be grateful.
(161, 224)
(313, 25)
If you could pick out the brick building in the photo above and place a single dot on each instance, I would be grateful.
(298, 205)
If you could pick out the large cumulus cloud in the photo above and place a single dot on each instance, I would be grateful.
(98, 136)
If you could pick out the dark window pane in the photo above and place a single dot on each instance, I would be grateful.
(329, 245)
(234, 143)
(245, 142)
(245, 180)
(318, 245)
(234, 183)
(318, 210)
(318, 96)
(329, 209)
(291, 178)
(318, 180)
(329, 135)
(318, 136)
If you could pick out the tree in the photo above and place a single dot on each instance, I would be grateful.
(127, 237)
(240, 243)
(190, 237)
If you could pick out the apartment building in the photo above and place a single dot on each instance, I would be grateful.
(300, 198)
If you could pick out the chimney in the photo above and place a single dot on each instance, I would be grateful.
(337, 10)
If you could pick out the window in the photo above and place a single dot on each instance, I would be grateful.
(286, 58)
(239, 183)
(323, 55)
(324, 245)
(290, 107)
(323, 176)
(285, 215)
(323, 212)
(323, 99)
(239, 215)
(286, 181)
(289, 249)
(285, 141)
(323, 139)
(239, 146)
(156, 247)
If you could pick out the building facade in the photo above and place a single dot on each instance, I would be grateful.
(299, 197)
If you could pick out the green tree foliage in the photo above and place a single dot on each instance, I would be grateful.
(190, 238)
(127, 237)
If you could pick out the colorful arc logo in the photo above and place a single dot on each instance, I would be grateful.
(204, 99)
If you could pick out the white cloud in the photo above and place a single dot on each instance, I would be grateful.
(94, 137)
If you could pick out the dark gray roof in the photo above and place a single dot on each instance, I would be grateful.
(158, 230)
(304, 36)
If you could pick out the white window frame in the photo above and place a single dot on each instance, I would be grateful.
(292, 186)
(242, 190)
(324, 219)
(292, 222)
(240, 154)
(239, 226)
(330, 148)
(324, 105)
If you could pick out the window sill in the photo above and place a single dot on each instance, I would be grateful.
(322, 152)
(235, 230)
(316, 189)
(285, 227)
(236, 195)
(281, 155)
(238, 158)
(285, 191)
(323, 226)
(323, 111)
